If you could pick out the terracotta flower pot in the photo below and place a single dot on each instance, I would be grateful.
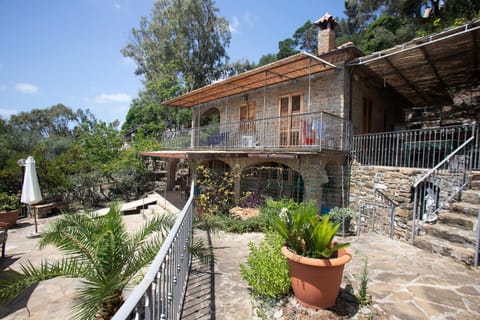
(9, 217)
(316, 282)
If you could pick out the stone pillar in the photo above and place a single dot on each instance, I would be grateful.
(314, 176)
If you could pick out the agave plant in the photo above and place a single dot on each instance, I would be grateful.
(306, 233)
(99, 251)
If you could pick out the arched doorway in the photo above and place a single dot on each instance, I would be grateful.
(274, 180)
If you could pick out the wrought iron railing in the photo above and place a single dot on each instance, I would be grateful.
(315, 131)
(436, 188)
(414, 148)
(377, 215)
(161, 293)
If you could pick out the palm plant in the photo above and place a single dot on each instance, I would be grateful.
(101, 253)
(306, 233)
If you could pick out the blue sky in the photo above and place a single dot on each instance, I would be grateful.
(68, 51)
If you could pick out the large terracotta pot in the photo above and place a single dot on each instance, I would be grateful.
(316, 282)
(9, 217)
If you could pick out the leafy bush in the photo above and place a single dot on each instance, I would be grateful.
(251, 200)
(266, 269)
(216, 191)
(9, 202)
(338, 214)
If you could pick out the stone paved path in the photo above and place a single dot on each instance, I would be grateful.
(406, 282)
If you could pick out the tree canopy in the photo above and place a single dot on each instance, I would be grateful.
(180, 47)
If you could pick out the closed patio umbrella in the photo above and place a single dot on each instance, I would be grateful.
(31, 190)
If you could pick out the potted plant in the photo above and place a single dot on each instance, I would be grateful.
(9, 209)
(343, 216)
(315, 261)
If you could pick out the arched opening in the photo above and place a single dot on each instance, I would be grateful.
(210, 117)
(273, 180)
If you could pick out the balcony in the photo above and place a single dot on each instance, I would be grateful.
(315, 131)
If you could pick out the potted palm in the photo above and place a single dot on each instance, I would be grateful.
(9, 209)
(343, 216)
(315, 261)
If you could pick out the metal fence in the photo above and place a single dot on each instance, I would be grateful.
(161, 293)
(414, 148)
(436, 188)
(378, 215)
(315, 130)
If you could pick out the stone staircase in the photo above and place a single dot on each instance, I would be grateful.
(454, 234)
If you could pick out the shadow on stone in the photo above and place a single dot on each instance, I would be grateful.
(346, 304)
(18, 302)
(200, 297)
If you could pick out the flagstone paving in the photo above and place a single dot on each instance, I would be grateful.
(405, 282)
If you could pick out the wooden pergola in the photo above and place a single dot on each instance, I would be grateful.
(425, 69)
(294, 67)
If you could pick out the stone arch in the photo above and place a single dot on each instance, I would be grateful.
(209, 117)
(273, 179)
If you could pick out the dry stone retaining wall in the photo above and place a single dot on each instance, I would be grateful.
(398, 183)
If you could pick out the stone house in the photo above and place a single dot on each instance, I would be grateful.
(344, 129)
(291, 117)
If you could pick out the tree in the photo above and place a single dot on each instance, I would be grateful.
(185, 35)
(180, 47)
(99, 251)
(306, 37)
(286, 48)
(266, 59)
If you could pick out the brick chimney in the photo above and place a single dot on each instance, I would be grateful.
(326, 33)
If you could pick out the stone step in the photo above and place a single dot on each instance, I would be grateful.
(474, 185)
(465, 208)
(471, 196)
(475, 176)
(445, 248)
(451, 234)
(458, 220)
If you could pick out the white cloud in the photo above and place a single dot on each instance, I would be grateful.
(117, 5)
(105, 98)
(234, 25)
(26, 88)
(237, 23)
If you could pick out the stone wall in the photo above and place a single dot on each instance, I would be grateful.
(398, 183)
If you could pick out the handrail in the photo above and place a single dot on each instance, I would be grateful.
(151, 285)
(419, 148)
(433, 195)
(386, 198)
(314, 131)
(427, 174)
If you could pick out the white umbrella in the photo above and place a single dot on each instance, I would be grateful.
(31, 190)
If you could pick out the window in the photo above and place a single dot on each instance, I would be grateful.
(290, 106)
(247, 117)
(367, 116)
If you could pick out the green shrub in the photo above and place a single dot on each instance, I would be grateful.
(266, 269)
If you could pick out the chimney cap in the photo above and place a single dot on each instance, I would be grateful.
(326, 20)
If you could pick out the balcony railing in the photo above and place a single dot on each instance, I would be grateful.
(161, 293)
(414, 148)
(315, 131)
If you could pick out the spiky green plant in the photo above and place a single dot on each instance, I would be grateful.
(306, 233)
(99, 251)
